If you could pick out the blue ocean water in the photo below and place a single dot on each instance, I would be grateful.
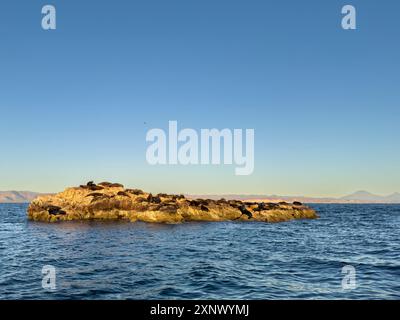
(300, 259)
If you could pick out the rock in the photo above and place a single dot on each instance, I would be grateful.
(136, 205)
(169, 208)
(100, 198)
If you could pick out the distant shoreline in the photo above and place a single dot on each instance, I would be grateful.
(259, 200)
(360, 197)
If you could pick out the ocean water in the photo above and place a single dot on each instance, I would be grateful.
(300, 259)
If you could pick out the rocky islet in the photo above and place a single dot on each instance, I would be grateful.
(112, 201)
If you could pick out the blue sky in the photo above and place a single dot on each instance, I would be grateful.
(76, 102)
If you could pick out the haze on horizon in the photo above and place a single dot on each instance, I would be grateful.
(76, 102)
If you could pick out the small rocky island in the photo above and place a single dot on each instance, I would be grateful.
(111, 201)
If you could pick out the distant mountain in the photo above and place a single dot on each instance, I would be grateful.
(394, 197)
(366, 196)
(17, 196)
(363, 196)
(356, 197)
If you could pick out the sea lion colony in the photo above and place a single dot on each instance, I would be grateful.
(111, 201)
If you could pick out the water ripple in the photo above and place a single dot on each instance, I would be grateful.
(227, 260)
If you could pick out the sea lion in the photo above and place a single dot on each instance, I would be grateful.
(122, 193)
(140, 199)
(194, 203)
(115, 185)
(155, 199)
(164, 195)
(297, 203)
(235, 203)
(261, 206)
(203, 202)
(246, 212)
(204, 208)
(104, 184)
(90, 184)
(95, 194)
(136, 192)
(55, 210)
(95, 188)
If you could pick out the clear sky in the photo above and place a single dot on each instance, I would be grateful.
(76, 102)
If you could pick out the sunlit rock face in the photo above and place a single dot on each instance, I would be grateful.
(111, 201)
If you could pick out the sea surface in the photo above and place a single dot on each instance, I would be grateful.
(300, 259)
